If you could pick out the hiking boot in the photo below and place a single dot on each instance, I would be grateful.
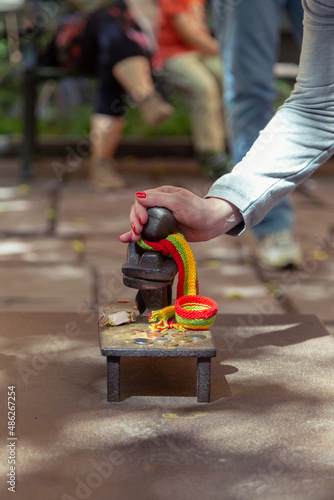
(104, 176)
(154, 109)
(214, 164)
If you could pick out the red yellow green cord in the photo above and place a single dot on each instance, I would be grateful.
(191, 310)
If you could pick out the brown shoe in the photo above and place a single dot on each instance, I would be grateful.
(154, 109)
(104, 176)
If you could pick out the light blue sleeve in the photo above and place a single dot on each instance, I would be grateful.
(299, 138)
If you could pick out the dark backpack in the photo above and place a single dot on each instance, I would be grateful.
(68, 41)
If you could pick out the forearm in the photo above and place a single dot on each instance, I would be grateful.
(194, 35)
(301, 135)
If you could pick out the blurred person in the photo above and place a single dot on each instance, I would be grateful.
(249, 36)
(188, 56)
(295, 142)
(106, 38)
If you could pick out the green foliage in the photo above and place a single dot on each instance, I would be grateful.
(3, 49)
(178, 124)
(284, 88)
(10, 101)
(75, 121)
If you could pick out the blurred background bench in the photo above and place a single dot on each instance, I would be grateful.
(38, 82)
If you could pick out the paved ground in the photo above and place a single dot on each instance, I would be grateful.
(268, 432)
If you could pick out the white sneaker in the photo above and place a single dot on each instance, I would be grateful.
(279, 251)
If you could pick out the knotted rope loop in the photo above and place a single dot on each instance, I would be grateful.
(191, 310)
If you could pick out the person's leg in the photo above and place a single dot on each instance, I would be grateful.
(105, 135)
(122, 67)
(272, 222)
(187, 72)
(106, 128)
(295, 12)
(249, 34)
(214, 65)
(217, 164)
(106, 131)
(107, 121)
(134, 75)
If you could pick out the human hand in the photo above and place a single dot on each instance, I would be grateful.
(198, 219)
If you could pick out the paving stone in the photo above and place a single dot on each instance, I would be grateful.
(169, 166)
(79, 223)
(110, 284)
(244, 294)
(77, 307)
(10, 171)
(317, 248)
(267, 434)
(236, 286)
(321, 187)
(236, 298)
(90, 213)
(223, 248)
(58, 282)
(24, 215)
(314, 225)
(314, 297)
(33, 189)
(87, 199)
(37, 250)
(330, 328)
(104, 252)
(310, 270)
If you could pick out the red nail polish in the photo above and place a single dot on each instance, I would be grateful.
(133, 229)
(131, 237)
(140, 194)
(139, 220)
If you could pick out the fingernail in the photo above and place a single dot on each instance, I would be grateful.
(119, 238)
(133, 229)
(139, 220)
(131, 237)
(140, 194)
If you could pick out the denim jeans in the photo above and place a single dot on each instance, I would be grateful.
(249, 35)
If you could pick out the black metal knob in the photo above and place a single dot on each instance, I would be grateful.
(161, 223)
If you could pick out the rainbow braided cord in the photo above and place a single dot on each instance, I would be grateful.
(191, 310)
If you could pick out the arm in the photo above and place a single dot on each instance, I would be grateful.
(300, 137)
(194, 34)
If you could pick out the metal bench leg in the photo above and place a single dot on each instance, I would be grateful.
(113, 378)
(29, 94)
(203, 379)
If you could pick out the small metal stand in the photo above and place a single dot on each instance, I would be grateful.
(117, 342)
(152, 274)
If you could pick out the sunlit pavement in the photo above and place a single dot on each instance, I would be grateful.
(268, 432)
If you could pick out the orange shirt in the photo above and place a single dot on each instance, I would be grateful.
(168, 39)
